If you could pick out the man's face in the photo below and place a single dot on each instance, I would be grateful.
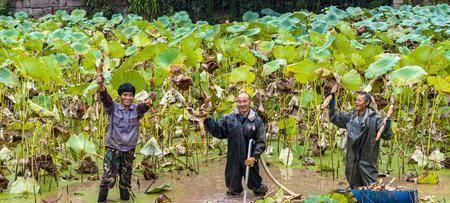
(243, 103)
(126, 98)
(361, 103)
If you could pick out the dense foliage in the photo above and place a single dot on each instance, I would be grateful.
(286, 61)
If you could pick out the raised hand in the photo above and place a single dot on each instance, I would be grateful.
(100, 83)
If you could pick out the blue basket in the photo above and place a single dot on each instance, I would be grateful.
(370, 196)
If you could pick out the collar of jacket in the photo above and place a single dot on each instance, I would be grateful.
(251, 115)
(120, 106)
(370, 112)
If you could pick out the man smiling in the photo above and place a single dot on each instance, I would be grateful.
(122, 138)
(238, 128)
(362, 125)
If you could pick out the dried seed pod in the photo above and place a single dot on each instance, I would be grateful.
(284, 86)
(3, 183)
(175, 69)
(87, 166)
(182, 82)
(361, 30)
(163, 199)
(210, 66)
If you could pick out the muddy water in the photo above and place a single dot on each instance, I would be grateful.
(209, 186)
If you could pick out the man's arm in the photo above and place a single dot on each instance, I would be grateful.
(105, 98)
(260, 142)
(144, 107)
(336, 117)
(218, 129)
(387, 133)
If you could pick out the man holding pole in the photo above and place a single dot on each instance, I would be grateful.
(239, 128)
(364, 128)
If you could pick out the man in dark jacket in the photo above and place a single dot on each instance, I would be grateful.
(121, 139)
(238, 128)
(362, 126)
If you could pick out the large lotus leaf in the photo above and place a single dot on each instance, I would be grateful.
(80, 145)
(193, 56)
(53, 68)
(80, 48)
(141, 40)
(338, 12)
(128, 76)
(77, 15)
(242, 74)
(247, 56)
(43, 100)
(151, 148)
(320, 26)
(440, 20)
(285, 52)
(285, 37)
(250, 16)
(115, 19)
(159, 189)
(319, 198)
(260, 55)
(39, 110)
(303, 71)
(43, 69)
(273, 66)
(115, 49)
(237, 28)
(251, 32)
(130, 50)
(351, 80)
(78, 89)
(370, 51)
(346, 29)
(354, 11)
(309, 99)
(342, 44)
(7, 77)
(408, 75)
(382, 66)
(63, 59)
(78, 36)
(9, 35)
(439, 83)
(130, 31)
(430, 58)
(24, 186)
(169, 57)
(141, 56)
(21, 15)
(266, 47)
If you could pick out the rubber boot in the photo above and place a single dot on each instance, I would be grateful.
(124, 194)
(102, 194)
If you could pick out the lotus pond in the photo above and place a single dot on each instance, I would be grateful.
(53, 125)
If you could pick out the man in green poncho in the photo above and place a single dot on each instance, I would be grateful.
(362, 126)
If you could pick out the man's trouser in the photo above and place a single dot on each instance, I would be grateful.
(116, 163)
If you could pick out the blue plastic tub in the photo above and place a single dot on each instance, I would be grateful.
(370, 196)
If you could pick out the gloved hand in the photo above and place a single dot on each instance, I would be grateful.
(250, 162)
